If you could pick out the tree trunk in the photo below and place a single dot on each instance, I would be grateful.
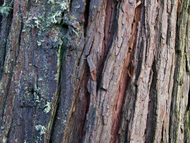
(107, 71)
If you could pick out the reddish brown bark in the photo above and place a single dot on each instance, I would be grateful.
(94, 71)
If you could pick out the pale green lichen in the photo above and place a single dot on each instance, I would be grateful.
(77, 6)
(29, 22)
(64, 122)
(41, 129)
(56, 16)
(4, 139)
(5, 10)
(75, 31)
(53, 18)
(47, 107)
(64, 5)
(40, 79)
(36, 97)
(39, 43)
(37, 22)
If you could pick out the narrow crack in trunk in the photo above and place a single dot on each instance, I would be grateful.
(55, 107)
(152, 108)
(86, 16)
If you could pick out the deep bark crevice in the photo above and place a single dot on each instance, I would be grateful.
(172, 120)
(109, 32)
(55, 133)
(58, 92)
(168, 34)
(87, 100)
(162, 134)
(8, 134)
(1, 16)
(70, 2)
(141, 43)
(86, 16)
(129, 109)
(178, 22)
(22, 24)
(54, 122)
(80, 105)
(81, 131)
(152, 107)
(188, 104)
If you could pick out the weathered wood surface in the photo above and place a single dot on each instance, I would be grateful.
(94, 71)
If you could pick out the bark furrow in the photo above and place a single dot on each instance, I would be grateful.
(90, 71)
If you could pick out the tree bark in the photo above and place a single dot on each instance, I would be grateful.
(107, 71)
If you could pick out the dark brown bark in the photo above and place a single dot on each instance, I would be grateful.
(94, 71)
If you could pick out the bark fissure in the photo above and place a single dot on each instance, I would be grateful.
(109, 33)
(141, 43)
(1, 16)
(55, 107)
(152, 108)
(87, 98)
(62, 60)
(8, 134)
(188, 103)
(172, 133)
(19, 38)
(76, 134)
(86, 16)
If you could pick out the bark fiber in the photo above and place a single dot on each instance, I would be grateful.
(94, 71)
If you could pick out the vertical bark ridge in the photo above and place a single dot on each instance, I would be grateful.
(128, 72)
(90, 59)
(6, 20)
(7, 99)
(179, 95)
(96, 58)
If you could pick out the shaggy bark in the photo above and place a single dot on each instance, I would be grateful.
(94, 71)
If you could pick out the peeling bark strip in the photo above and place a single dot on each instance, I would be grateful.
(91, 71)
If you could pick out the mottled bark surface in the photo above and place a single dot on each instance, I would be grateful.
(90, 71)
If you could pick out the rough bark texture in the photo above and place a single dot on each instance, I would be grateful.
(90, 71)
